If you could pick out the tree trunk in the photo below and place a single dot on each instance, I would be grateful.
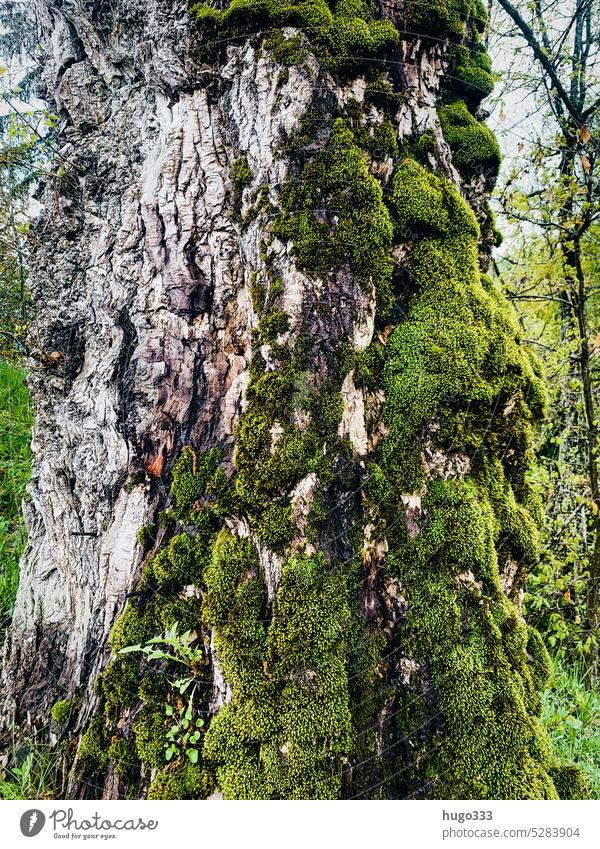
(278, 405)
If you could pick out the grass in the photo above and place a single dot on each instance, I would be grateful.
(571, 714)
(31, 770)
(15, 465)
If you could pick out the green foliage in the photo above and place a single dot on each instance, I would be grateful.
(571, 715)
(15, 464)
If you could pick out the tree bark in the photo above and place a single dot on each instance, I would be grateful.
(228, 258)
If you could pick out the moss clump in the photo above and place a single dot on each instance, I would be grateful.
(458, 351)
(570, 782)
(241, 179)
(350, 30)
(539, 659)
(200, 496)
(287, 51)
(123, 753)
(92, 755)
(62, 710)
(474, 146)
(287, 728)
(353, 227)
(199, 488)
(445, 18)
(130, 628)
(186, 781)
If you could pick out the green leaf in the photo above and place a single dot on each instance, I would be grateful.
(193, 755)
(129, 649)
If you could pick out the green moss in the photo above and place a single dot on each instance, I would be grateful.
(570, 782)
(186, 781)
(456, 373)
(92, 755)
(149, 729)
(474, 146)
(242, 178)
(146, 536)
(287, 51)
(541, 664)
(472, 78)
(199, 485)
(350, 30)
(456, 381)
(381, 93)
(124, 756)
(120, 684)
(130, 628)
(444, 18)
(356, 231)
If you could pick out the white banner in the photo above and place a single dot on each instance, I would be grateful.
(352, 825)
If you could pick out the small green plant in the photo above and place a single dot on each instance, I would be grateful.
(180, 706)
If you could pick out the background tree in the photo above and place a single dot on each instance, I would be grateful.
(554, 192)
